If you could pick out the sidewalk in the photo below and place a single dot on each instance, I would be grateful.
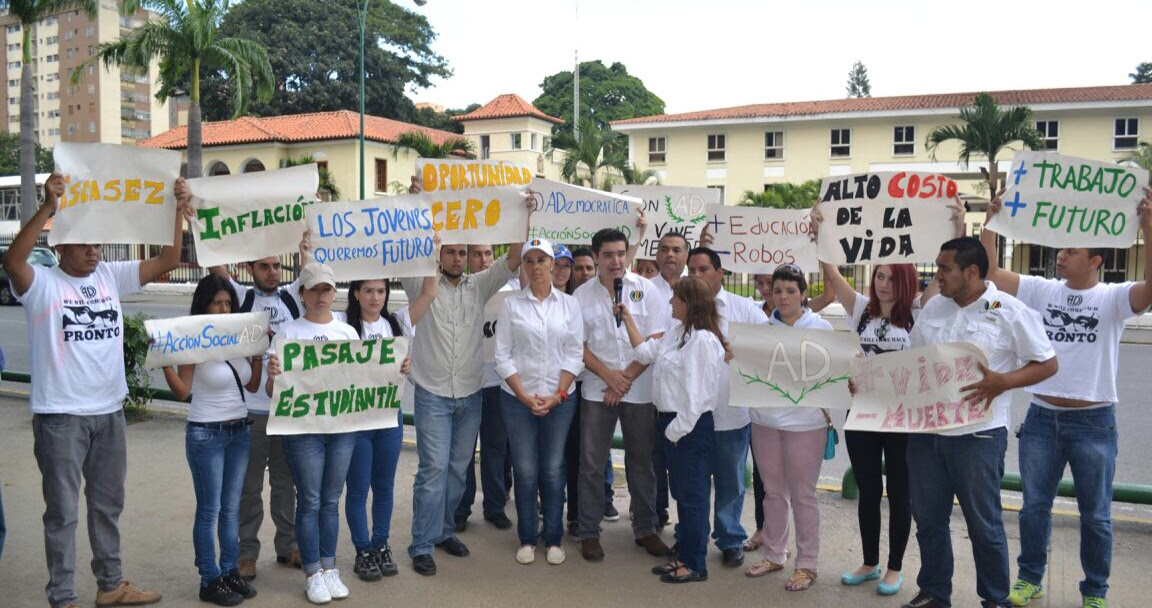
(157, 526)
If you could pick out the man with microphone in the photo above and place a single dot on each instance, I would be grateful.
(617, 388)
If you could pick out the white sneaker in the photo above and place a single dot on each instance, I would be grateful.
(555, 555)
(526, 554)
(317, 590)
(335, 585)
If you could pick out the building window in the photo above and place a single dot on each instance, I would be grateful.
(52, 40)
(91, 126)
(13, 65)
(1127, 134)
(14, 28)
(52, 58)
(14, 47)
(774, 145)
(903, 141)
(53, 77)
(485, 147)
(13, 101)
(71, 128)
(90, 31)
(14, 83)
(721, 189)
(657, 150)
(381, 175)
(515, 141)
(535, 141)
(841, 143)
(14, 118)
(716, 147)
(1050, 132)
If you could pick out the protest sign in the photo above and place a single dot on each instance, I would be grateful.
(671, 209)
(337, 387)
(757, 240)
(1061, 201)
(377, 239)
(476, 202)
(781, 366)
(491, 311)
(885, 218)
(200, 338)
(917, 390)
(571, 214)
(115, 194)
(245, 217)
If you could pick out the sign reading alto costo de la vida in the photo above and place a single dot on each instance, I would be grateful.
(671, 209)
(1061, 201)
(377, 239)
(115, 194)
(874, 218)
(475, 202)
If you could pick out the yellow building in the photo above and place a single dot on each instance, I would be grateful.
(513, 130)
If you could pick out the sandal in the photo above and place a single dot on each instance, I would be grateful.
(754, 543)
(801, 580)
(762, 567)
(688, 576)
(671, 566)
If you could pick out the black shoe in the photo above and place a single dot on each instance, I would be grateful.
(366, 567)
(923, 600)
(236, 583)
(454, 547)
(424, 564)
(218, 592)
(573, 527)
(610, 512)
(691, 577)
(384, 561)
(734, 557)
(500, 520)
(461, 522)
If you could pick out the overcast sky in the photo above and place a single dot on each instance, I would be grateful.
(702, 55)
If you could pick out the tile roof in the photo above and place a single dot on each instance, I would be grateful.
(1127, 92)
(343, 124)
(509, 105)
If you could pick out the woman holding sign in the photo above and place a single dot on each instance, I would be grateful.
(216, 443)
(539, 353)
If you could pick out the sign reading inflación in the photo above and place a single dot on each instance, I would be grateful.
(199, 338)
(572, 214)
(115, 194)
(337, 387)
(475, 202)
(757, 240)
(780, 366)
(1061, 201)
(671, 209)
(377, 239)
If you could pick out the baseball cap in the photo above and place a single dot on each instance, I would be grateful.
(537, 245)
(561, 251)
(313, 274)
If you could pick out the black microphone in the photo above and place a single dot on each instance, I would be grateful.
(618, 287)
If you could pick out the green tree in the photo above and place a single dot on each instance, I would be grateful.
(420, 143)
(858, 84)
(598, 148)
(29, 12)
(443, 121)
(1142, 157)
(784, 196)
(988, 130)
(187, 43)
(1143, 74)
(10, 155)
(315, 57)
(606, 94)
(327, 182)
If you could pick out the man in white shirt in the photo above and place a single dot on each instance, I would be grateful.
(1072, 418)
(732, 424)
(617, 388)
(968, 463)
(76, 333)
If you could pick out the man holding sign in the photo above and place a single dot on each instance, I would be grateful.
(76, 326)
(968, 463)
(1072, 418)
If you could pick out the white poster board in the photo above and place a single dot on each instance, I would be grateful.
(671, 209)
(885, 218)
(115, 194)
(1062, 201)
(757, 240)
(199, 338)
(476, 202)
(917, 390)
(572, 214)
(780, 366)
(245, 217)
(379, 239)
(339, 386)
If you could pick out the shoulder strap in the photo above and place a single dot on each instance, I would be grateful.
(240, 387)
(249, 299)
(865, 318)
(289, 302)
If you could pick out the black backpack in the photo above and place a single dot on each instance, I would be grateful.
(289, 302)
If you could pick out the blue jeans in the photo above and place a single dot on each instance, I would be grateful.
(1085, 440)
(969, 468)
(690, 473)
(218, 459)
(495, 463)
(373, 466)
(320, 467)
(446, 430)
(538, 459)
(729, 461)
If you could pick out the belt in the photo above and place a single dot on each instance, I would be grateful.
(227, 425)
(660, 414)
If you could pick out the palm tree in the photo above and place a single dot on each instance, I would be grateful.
(594, 150)
(421, 143)
(784, 196)
(29, 12)
(987, 130)
(1142, 158)
(184, 41)
(327, 182)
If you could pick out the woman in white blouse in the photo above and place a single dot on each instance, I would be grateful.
(539, 353)
(687, 360)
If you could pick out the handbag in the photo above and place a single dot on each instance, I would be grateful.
(832, 439)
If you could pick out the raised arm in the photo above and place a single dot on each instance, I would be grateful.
(169, 258)
(634, 248)
(20, 272)
(1005, 280)
(428, 288)
(838, 286)
(516, 248)
(1140, 296)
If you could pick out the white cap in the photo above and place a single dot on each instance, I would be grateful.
(538, 245)
(313, 274)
